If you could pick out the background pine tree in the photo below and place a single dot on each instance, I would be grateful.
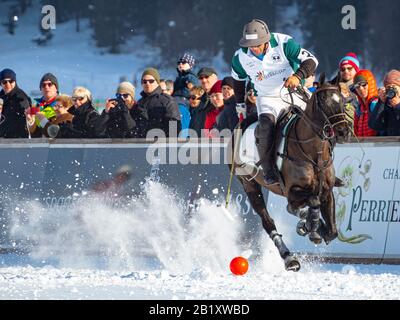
(209, 27)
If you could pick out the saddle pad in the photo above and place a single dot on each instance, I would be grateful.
(282, 147)
(247, 153)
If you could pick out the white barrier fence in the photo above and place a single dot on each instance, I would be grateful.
(367, 208)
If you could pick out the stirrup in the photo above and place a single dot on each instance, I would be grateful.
(247, 169)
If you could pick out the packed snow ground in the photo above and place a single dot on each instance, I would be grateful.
(332, 282)
(148, 250)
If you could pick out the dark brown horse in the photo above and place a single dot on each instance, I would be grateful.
(307, 172)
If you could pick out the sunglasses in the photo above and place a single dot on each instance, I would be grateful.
(362, 84)
(348, 69)
(122, 95)
(47, 84)
(151, 81)
(74, 99)
(4, 82)
(203, 77)
(194, 98)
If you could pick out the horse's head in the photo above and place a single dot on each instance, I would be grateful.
(329, 105)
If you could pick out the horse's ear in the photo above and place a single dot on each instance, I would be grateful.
(322, 78)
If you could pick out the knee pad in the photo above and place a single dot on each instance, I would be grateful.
(266, 119)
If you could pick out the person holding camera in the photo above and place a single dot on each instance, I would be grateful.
(121, 117)
(386, 116)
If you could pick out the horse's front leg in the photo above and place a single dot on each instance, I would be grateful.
(313, 225)
(254, 193)
(329, 216)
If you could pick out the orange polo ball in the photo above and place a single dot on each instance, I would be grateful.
(239, 266)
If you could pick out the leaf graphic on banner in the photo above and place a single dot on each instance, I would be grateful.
(353, 239)
(341, 213)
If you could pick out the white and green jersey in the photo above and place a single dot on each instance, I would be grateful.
(281, 60)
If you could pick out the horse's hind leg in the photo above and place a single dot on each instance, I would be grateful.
(328, 214)
(254, 193)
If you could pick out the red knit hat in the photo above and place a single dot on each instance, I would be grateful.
(351, 59)
(216, 88)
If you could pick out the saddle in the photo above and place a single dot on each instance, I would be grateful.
(246, 157)
(285, 123)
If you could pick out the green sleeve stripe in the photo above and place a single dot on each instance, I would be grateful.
(237, 67)
(273, 43)
(292, 50)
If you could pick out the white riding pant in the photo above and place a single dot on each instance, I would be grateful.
(276, 105)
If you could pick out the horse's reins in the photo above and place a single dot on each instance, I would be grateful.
(316, 128)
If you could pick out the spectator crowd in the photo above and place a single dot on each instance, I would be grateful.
(194, 104)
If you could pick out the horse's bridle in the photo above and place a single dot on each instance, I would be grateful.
(328, 125)
(328, 132)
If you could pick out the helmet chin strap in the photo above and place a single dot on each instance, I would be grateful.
(266, 46)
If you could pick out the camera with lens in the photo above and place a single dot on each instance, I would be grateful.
(391, 92)
(120, 105)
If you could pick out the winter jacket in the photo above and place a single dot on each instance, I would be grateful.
(117, 122)
(13, 114)
(139, 115)
(181, 83)
(184, 110)
(161, 109)
(228, 118)
(386, 119)
(198, 119)
(47, 109)
(65, 118)
(211, 118)
(361, 128)
(86, 123)
(125, 123)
